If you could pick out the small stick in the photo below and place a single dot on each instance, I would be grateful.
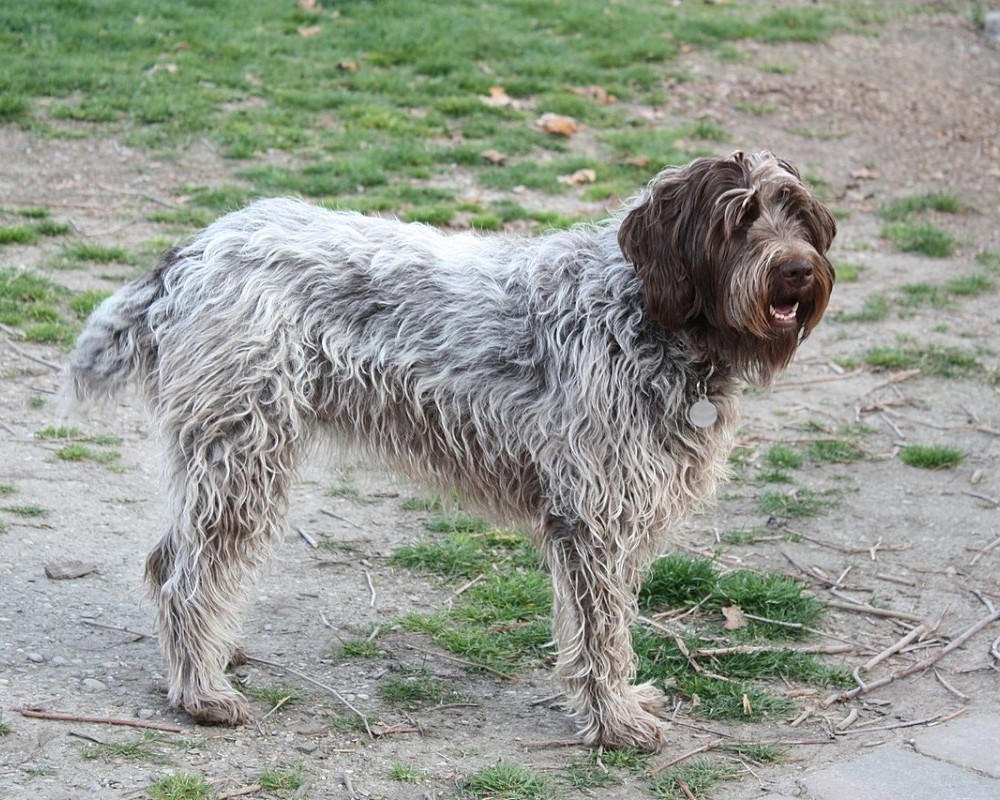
(894, 579)
(940, 716)
(310, 540)
(703, 749)
(986, 549)
(36, 359)
(253, 788)
(984, 497)
(118, 628)
(876, 612)
(928, 662)
(371, 588)
(133, 723)
(458, 660)
(314, 682)
(916, 633)
(847, 721)
(830, 649)
(960, 695)
(807, 712)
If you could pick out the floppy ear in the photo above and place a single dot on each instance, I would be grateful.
(650, 238)
(665, 232)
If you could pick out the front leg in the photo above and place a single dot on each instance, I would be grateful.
(594, 605)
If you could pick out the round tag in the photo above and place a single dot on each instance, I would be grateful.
(703, 414)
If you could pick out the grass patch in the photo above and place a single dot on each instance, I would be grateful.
(378, 101)
(931, 456)
(944, 362)
(404, 773)
(904, 208)
(138, 750)
(795, 504)
(783, 456)
(180, 786)
(695, 779)
(18, 234)
(506, 781)
(282, 782)
(418, 690)
(29, 512)
(837, 451)
(875, 308)
(360, 648)
(97, 253)
(927, 240)
(7, 489)
(274, 695)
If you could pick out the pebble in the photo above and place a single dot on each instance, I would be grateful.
(145, 713)
(60, 661)
(36, 658)
(92, 685)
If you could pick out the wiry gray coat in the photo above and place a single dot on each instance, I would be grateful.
(547, 379)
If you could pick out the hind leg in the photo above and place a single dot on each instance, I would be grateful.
(227, 493)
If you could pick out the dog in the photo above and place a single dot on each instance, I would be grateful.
(584, 383)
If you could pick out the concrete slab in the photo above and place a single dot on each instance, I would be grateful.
(894, 773)
(972, 741)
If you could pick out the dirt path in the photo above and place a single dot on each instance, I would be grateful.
(874, 119)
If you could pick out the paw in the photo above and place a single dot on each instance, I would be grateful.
(640, 730)
(227, 708)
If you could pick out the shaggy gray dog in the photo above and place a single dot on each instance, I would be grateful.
(584, 383)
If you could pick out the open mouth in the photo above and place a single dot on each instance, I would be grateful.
(783, 315)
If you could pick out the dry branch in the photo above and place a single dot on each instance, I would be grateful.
(132, 723)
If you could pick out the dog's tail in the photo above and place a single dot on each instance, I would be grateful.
(117, 346)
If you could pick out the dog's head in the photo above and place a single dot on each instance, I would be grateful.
(732, 252)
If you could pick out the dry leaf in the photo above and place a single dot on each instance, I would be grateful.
(557, 124)
(578, 178)
(735, 618)
(497, 98)
(637, 161)
(598, 94)
(309, 5)
(347, 66)
(311, 31)
(864, 175)
(747, 708)
(494, 156)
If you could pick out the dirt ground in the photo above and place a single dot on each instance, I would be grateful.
(910, 111)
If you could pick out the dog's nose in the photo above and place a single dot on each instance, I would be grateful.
(796, 272)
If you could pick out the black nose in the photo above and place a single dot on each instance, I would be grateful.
(796, 273)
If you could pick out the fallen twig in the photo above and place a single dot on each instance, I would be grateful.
(937, 718)
(371, 588)
(319, 684)
(876, 612)
(986, 549)
(919, 666)
(118, 628)
(308, 538)
(132, 723)
(458, 660)
(703, 749)
(253, 788)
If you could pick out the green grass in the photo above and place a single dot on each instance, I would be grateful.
(30, 511)
(783, 456)
(97, 253)
(404, 773)
(693, 779)
(137, 750)
(506, 781)
(837, 451)
(875, 308)
(417, 690)
(931, 456)
(795, 504)
(385, 95)
(944, 362)
(180, 786)
(5, 728)
(906, 207)
(281, 782)
(7, 489)
(275, 695)
(923, 239)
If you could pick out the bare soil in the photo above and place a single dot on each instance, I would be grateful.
(910, 111)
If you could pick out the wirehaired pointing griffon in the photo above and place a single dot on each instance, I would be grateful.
(584, 383)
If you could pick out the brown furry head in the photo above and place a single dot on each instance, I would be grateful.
(731, 253)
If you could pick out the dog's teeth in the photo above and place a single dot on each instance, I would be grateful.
(784, 316)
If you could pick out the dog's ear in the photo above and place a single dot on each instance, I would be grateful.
(664, 232)
(821, 224)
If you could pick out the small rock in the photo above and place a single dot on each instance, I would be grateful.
(145, 713)
(991, 25)
(60, 661)
(36, 658)
(92, 685)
